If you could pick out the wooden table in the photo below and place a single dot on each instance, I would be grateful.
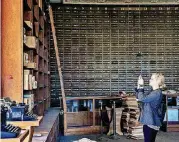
(27, 124)
(175, 126)
(22, 136)
(88, 129)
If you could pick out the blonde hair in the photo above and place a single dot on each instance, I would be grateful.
(160, 79)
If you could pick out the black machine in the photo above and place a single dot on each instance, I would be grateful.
(10, 111)
(7, 131)
(18, 112)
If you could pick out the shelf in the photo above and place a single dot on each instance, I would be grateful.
(26, 123)
(28, 25)
(171, 93)
(20, 138)
(41, 54)
(40, 71)
(40, 27)
(28, 16)
(173, 107)
(173, 128)
(36, 2)
(41, 85)
(27, 4)
(36, 12)
(41, 35)
(40, 41)
(30, 34)
(31, 65)
(41, 4)
(31, 42)
(45, 18)
(40, 11)
(173, 125)
(36, 29)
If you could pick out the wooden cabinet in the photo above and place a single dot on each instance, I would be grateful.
(172, 111)
(25, 50)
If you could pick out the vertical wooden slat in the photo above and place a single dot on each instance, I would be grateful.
(94, 113)
(167, 112)
(12, 45)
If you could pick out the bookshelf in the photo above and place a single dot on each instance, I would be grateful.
(25, 67)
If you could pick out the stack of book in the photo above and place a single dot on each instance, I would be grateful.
(136, 132)
(130, 117)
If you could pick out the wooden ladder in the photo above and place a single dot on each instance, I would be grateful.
(59, 66)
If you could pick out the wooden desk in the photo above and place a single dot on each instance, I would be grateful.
(171, 127)
(87, 129)
(20, 138)
(27, 124)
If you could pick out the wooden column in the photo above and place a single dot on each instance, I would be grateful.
(12, 49)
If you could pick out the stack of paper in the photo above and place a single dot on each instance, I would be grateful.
(130, 117)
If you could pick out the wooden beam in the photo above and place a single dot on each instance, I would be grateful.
(25, 124)
(12, 45)
(94, 97)
(83, 130)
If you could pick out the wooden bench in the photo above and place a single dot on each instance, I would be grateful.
(48, 130)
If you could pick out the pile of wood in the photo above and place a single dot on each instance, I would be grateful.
(130, 117)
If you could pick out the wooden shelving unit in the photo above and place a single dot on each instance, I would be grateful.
(25, 52)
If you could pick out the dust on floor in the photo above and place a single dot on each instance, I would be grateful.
(161, 137)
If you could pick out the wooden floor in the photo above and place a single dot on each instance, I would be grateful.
(161, 137)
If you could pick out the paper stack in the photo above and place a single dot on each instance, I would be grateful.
(130, 117)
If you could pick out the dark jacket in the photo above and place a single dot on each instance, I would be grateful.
(151, 108)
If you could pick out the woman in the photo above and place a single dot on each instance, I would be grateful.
(151, 106)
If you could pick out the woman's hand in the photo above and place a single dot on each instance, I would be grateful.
(140, 83)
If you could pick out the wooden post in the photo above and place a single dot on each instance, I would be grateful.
(94, 113)
(12, 49)
(59, 67)
(167, 112)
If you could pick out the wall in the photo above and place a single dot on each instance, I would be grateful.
(103, 49)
